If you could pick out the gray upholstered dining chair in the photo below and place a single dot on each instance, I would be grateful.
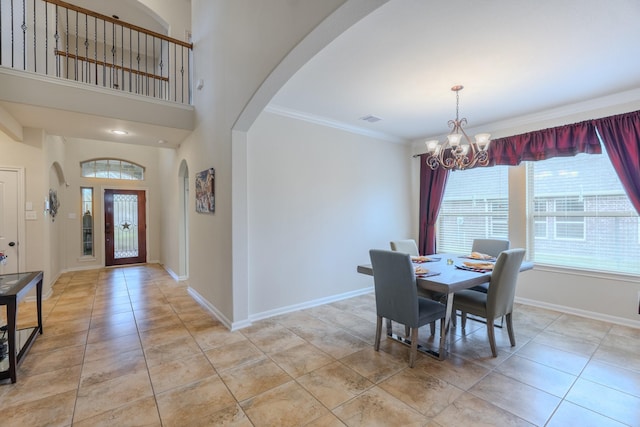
(407, 246)
(397, 297)
(491, 247)
(498, 301)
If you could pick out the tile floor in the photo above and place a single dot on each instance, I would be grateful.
(130, 347)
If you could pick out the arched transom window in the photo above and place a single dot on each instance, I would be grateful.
(112, 169)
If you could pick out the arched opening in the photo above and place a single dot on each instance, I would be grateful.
(183, 221)
(56, 199)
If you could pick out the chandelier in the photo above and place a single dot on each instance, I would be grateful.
(458, 151)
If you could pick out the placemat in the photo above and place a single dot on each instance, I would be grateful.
(492, 259)
(477, 270)
(431, 259)
(429, 274)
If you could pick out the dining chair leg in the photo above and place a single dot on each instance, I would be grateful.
(389, 327)
(376, 345)
(492, 337)
(512, 336)
(414, 347)
(407, 331)
(463, 320)
(433, 328)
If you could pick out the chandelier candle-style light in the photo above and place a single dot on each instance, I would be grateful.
(458, 151)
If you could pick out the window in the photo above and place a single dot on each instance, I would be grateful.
(475, 205)
(579, 215)
(569, 221)
(86, 194)
(540, 227)
(112, 169)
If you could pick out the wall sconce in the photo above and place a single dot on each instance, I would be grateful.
(51, 204)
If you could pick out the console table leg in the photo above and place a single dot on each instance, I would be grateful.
(11, 332)
(39, 304)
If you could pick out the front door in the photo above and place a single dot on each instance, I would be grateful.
(9, 221)
(125, 227)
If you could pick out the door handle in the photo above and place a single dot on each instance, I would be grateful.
(12, 244)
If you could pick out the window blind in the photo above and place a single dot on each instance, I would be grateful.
(475, 205)
(580, 216)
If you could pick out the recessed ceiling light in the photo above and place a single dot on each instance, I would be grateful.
(119, 132)
(162, 141)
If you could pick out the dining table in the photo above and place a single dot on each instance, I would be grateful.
(447, 274)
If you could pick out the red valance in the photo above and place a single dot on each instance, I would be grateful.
(561, 141)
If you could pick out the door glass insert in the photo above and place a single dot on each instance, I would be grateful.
(125, 221)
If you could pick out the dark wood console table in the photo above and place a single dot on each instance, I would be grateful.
(14, 287)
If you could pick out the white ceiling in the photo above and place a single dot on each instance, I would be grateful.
(514, 57)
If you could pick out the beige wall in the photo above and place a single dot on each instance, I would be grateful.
(319, 199)
(53, 159)
(177, 13)
(170, 219)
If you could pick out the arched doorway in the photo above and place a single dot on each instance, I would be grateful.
(183, 222)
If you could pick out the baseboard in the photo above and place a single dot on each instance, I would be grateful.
(578, 312)
(175, 276)
(82, 268)
(217, 313)
(233, 326)
(170, 271)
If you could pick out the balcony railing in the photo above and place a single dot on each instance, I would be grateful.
(59, 39)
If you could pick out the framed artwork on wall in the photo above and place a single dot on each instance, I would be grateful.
(205, 191)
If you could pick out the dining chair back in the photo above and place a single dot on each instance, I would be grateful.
(498, 300)
(491, 247)
(407, 246)
(397, 297)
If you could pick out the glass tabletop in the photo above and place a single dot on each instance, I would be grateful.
(12, 283)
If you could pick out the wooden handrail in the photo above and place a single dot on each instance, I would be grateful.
(106, 64)
(119, 22)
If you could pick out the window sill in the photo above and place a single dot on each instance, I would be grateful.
(87, 258)
(600, 274)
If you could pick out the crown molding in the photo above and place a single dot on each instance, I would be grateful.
(616, 103)
(323, 121)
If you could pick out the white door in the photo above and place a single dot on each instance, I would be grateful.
(9, 220)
